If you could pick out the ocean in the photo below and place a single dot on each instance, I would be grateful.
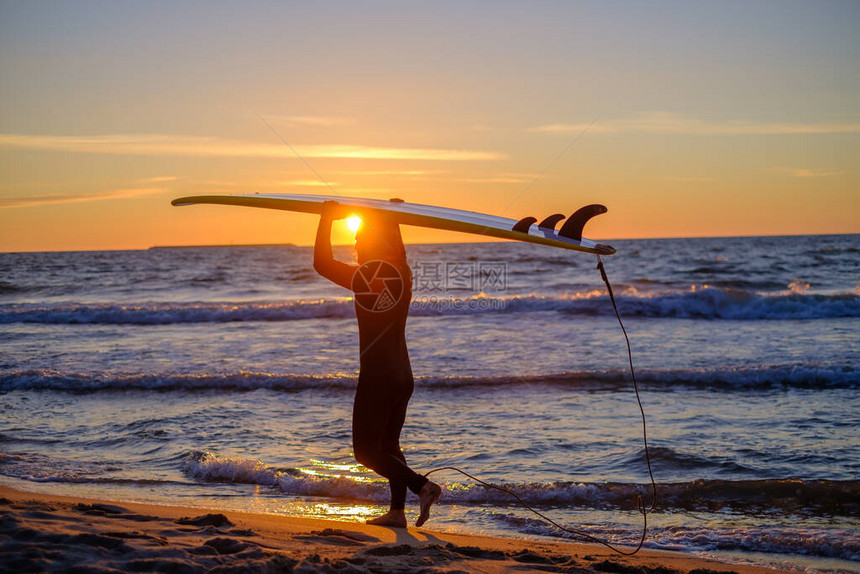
(223, 377)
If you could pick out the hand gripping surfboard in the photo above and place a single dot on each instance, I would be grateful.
(568, 237)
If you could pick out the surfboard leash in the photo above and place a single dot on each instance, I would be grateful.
(640, 504)
(575, 532)
(635, 388)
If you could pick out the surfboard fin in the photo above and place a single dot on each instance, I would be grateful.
(572, 228)
(523, 224)
(551, 221)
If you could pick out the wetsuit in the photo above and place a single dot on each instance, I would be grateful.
(385, 378)
(385, 385)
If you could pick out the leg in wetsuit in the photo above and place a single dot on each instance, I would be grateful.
(377, 418)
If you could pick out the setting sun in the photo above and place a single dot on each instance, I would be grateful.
(353, 223)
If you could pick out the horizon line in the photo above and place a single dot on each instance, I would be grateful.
(221, 245)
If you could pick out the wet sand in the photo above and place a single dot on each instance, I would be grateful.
(40, 532)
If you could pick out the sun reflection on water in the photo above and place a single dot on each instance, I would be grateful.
(350, 471)
(346, 512)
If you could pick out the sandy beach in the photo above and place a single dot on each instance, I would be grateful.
(57, 533)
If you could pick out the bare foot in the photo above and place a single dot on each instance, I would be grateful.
(428, 496)
(395, 518)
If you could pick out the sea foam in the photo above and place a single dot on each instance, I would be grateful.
(703, 303)
(729, 379)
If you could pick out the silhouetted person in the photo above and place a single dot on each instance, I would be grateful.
(382, 285)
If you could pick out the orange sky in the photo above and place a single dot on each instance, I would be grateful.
(705, 119)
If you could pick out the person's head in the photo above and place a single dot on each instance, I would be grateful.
(379, 239)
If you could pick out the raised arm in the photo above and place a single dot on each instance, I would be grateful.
(324, 262)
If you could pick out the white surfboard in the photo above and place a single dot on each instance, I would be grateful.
(569, 236)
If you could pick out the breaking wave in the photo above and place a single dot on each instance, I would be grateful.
(842, 543)
(827, 497)
(705, 303)
(730, 379)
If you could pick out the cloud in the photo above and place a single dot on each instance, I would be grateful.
(30, 200)
(372, 191)
(664, 122)
(315, 121)
(364, 152)
(390, 172)
(308, 183)
(174, 145)
(500, 177)
(805, 172)
(159, 179)
(691, 179)
(493, 180)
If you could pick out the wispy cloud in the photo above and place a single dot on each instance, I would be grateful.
(30, 200)
(308, 183)
(364, 152)
(690, 179)
(805, 172)
(664, 122)
(159, 179)
(380, 191)
(500, 177)
(391, 172)
(493, 180)
(315, 121)
(174, 145)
